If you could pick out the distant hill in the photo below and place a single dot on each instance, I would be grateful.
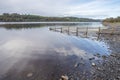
(112, 20)
(14, 17)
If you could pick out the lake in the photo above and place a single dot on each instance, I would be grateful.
(30, 51)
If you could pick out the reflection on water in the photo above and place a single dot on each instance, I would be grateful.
(22, 25)
(113, 41)
(35, 53)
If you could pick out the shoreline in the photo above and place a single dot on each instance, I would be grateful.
(116, 24)
(50, 22)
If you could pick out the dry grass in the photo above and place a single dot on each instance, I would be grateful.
(111, 24)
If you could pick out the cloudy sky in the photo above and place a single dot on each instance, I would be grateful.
(77, 8)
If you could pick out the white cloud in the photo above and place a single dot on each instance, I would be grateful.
(98, 8)
(93, 8)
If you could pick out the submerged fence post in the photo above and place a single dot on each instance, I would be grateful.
(98, 37)
(76, 31)
(61, 30)
(99, 30)
(50, 28)
(68, 30)
(55, 28)
(86, 31)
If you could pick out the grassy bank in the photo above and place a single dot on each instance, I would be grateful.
(15, 17)
(115, 24)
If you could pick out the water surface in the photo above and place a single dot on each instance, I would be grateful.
(32, 51)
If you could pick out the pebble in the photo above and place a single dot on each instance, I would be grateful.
(76, 65)
(104, 57)
(97, 55)
(29, 74)
(100, 69)
(113, 55)
(93, 64)
(118, 77)
(64, 77)
(91, 58)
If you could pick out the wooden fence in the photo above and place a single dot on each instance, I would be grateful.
(86, 30)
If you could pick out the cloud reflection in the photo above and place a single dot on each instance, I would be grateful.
(72, 51)
(15, 46)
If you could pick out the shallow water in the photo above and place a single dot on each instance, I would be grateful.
(35, 52)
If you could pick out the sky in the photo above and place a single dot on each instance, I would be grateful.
(97, 9)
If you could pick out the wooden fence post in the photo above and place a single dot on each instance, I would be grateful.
(50, 28)
(98, 36)
(86, 31)
(55, 28)
(61, 30)
(68, 30)
(76, 31)
(99, 30)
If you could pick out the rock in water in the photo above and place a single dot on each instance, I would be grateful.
(93, 64)
(29, 74)
(64, 77)
(91, 58)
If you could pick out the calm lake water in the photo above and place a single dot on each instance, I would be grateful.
(33, 52)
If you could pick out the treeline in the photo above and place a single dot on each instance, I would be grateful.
(14, 17)
(112, 20)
